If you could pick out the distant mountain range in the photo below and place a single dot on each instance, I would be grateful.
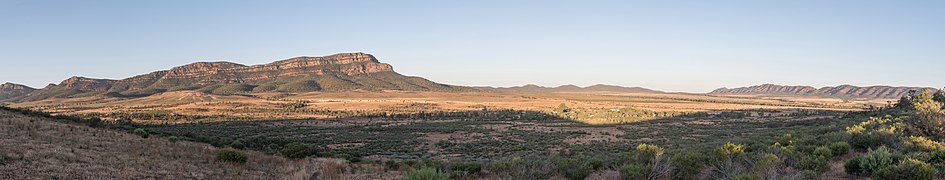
(842, 91)
(531, 88)
(347, 72)
(339, 72)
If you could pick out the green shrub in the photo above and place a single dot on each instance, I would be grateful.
(921, 143)
(426, 173)
(767, 164)
(823, 151)
(874, 160)
(231, 155)
(647, 153)
(530, 167)
(921, 156)
(814, 163)
(730, 150)
(141, 132)
(937, 156)
(299, 86)
(173, 139)
(633, 171)
(297, 150)
(229, 89)
(237, 144)
(852, 166)
(465, 169)
(688, 164)
(840, 148)
(574, 169)
(907, 169)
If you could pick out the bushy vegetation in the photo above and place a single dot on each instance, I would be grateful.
(297, 150)
(426, 173)
(231, 155)
(141, 132)
(902, 141)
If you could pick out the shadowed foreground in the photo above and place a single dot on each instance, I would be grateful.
(39, 148)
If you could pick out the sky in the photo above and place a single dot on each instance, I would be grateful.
(679, 46)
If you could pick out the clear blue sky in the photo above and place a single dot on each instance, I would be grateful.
(691, 46)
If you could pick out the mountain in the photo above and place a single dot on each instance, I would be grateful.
(842, 91)
(334, 73)
(531, 88)
(10, 91)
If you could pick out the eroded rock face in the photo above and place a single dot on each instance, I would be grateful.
(339, 72)
(843, 91)
(11, 91)
(204, 73)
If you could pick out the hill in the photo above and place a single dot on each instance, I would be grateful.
(45, 148)
(334, 73)
(842, 91)
(531, 88)
(11, 91)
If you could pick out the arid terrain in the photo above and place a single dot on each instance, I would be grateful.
(349, 116)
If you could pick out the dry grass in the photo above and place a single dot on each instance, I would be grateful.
(38, 148)
(264, 106)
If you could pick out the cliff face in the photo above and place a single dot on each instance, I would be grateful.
(339, 72)
(12, 91)
(843, 91)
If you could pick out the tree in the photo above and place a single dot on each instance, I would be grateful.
(924, 103)
(939, 96)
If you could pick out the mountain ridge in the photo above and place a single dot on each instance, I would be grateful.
(10, 90)
(337, 72)
(531, 88)
(841, 91)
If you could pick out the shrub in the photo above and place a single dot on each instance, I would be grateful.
(874, 160)
(237, 144)
(823, 151)
(730, 150)
(633, 171)
(231, 155)
(297, 150)
(937, 156)
(921, 143)
(852, 166)
(840, 148)
(142, 133)
(464, 169)
(768, 165)
(531, 167)
(173, 139)
(426, 173)
(574, 169)
(646, 152)
(814, 163)
(907, 169)
(688, 164)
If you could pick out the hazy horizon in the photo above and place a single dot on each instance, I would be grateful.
(669, 46)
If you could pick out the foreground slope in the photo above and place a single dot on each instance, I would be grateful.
(334, 73)
(41, 148)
